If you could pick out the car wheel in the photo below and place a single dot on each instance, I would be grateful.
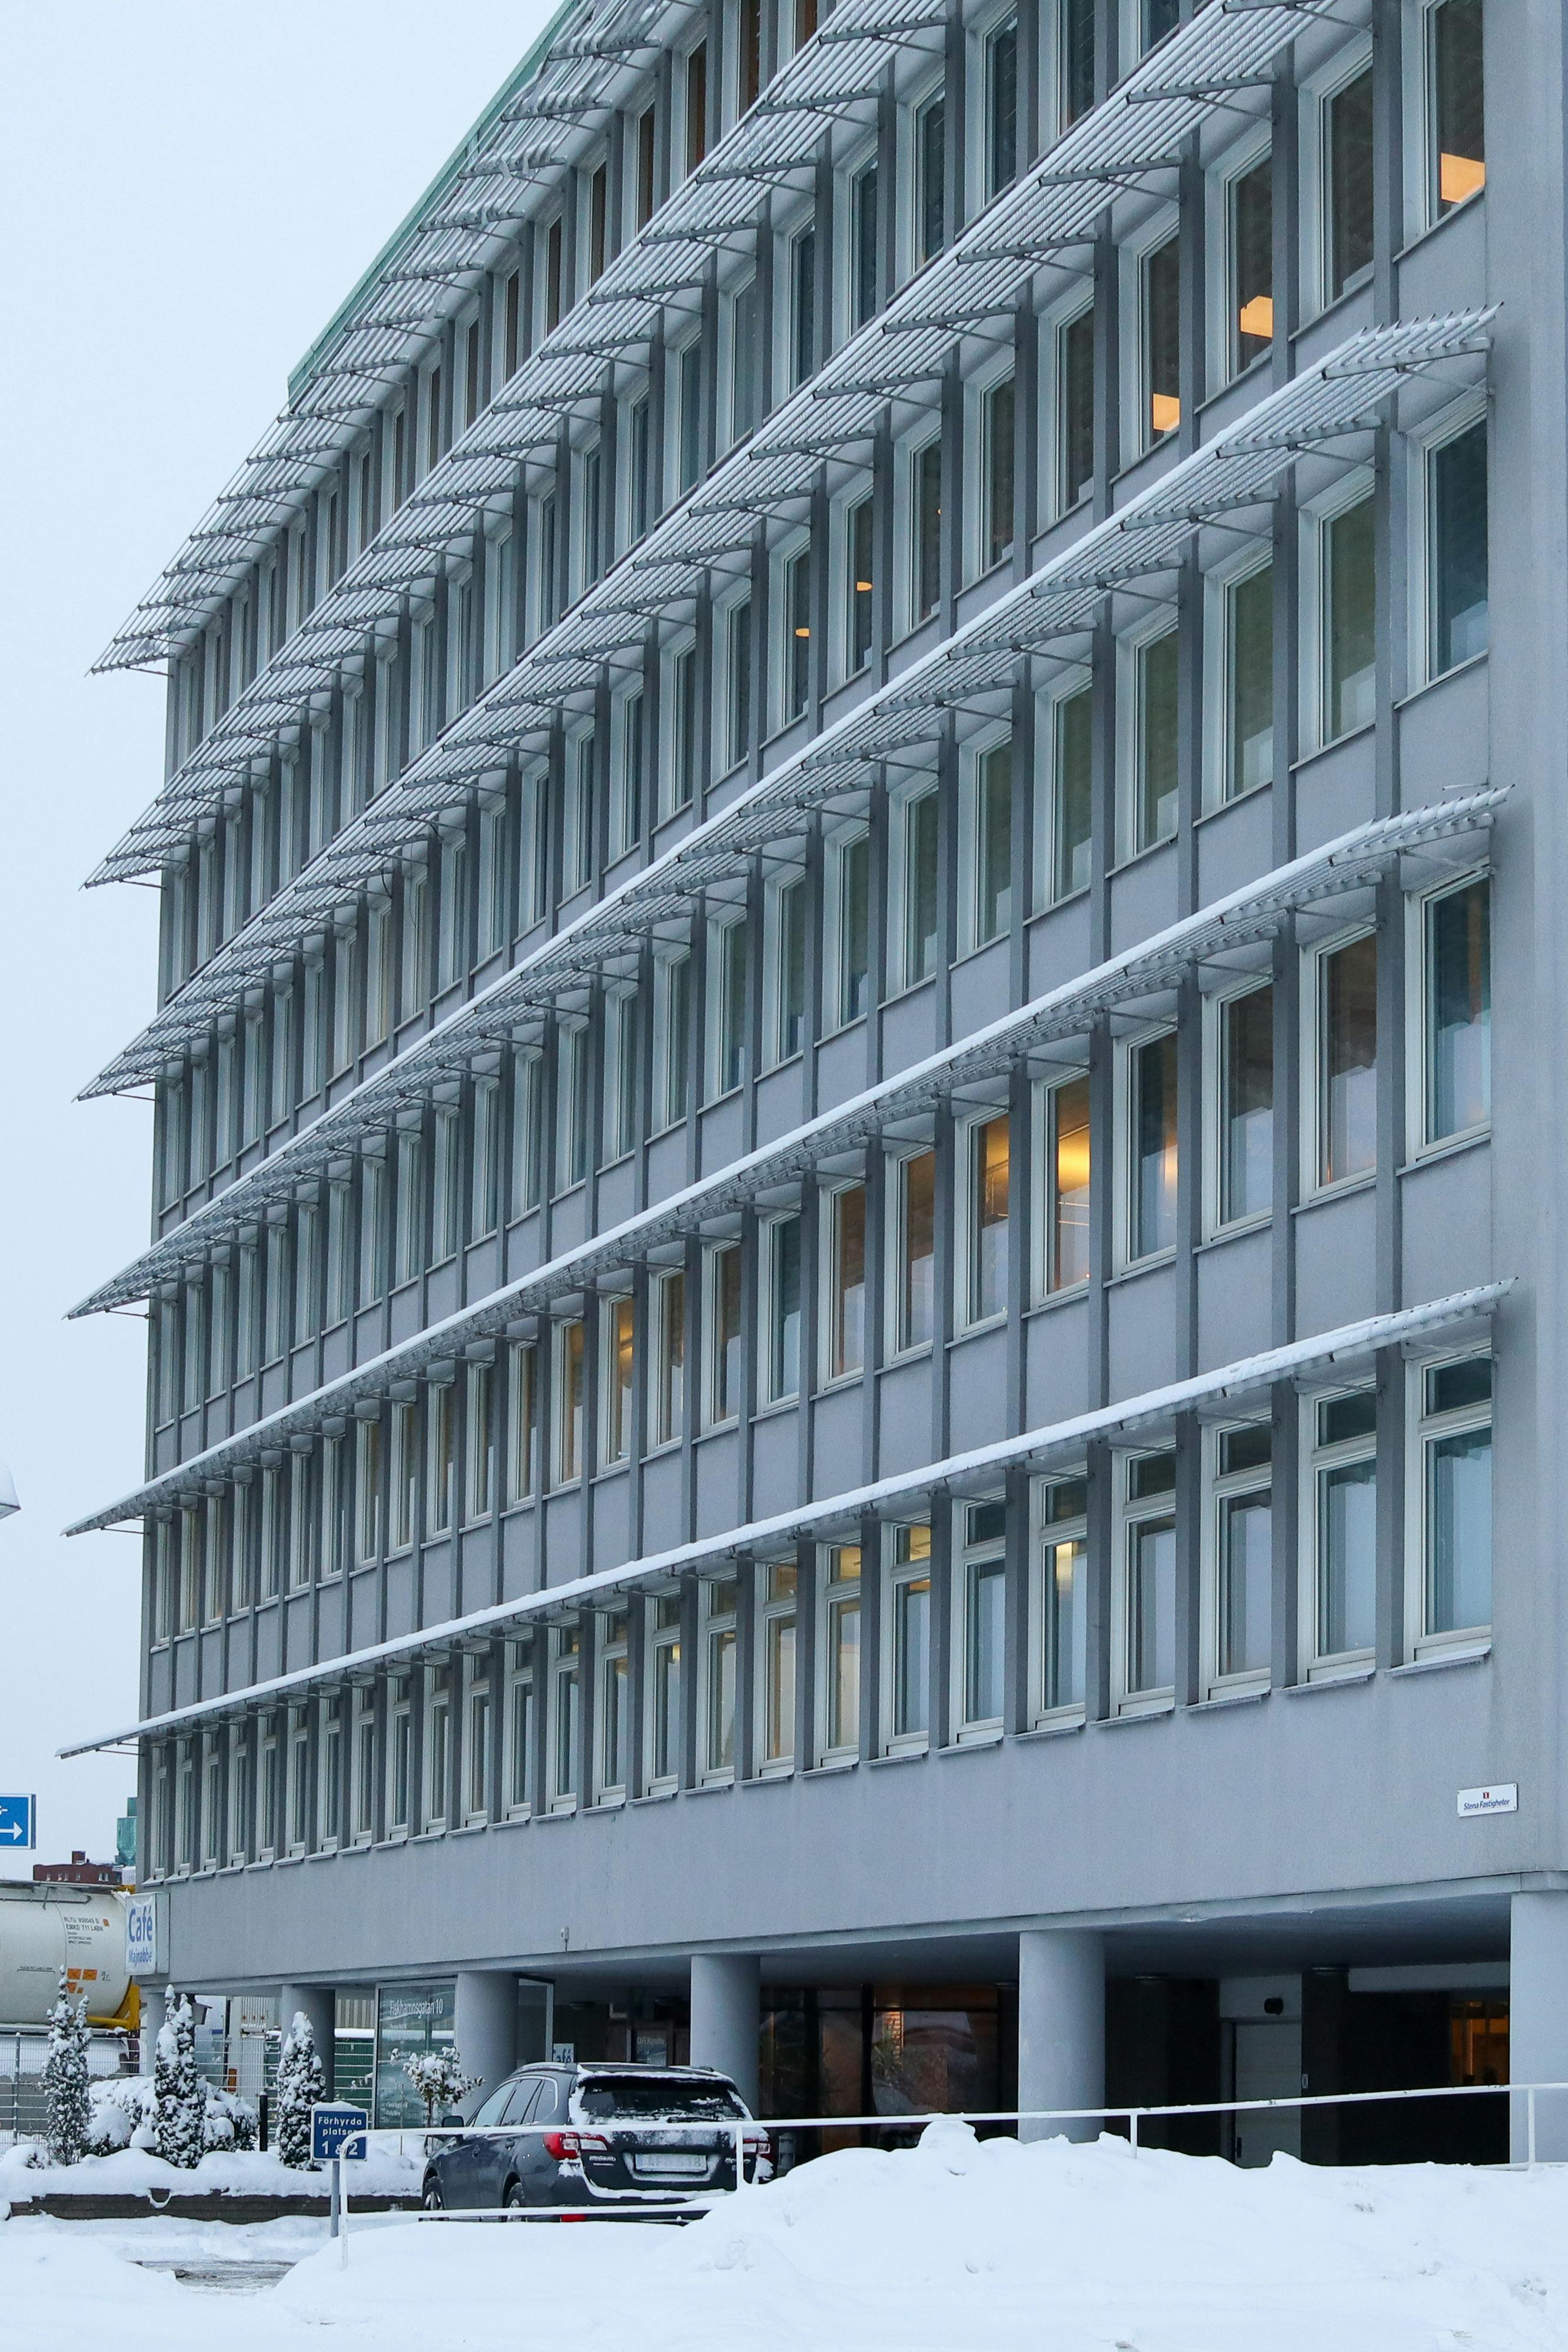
(514, 2200)
(430, 2196)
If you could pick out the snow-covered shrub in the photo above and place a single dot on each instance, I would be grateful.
(179, 2099)
(66, 2078)
(438, 2077)
(300, 2083)
(123, 2112)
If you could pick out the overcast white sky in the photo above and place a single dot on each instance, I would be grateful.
(187, 192)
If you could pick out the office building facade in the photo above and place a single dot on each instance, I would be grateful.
(837, 1249)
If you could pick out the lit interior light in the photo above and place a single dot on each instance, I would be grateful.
(1459, 176)
(1165, 411)
(1257, 317)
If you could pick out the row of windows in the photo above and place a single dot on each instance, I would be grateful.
(508, 1727)
(518, 578)
(487, 883)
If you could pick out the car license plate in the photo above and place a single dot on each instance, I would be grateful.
(684, 2168)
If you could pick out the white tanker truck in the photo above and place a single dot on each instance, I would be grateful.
(45, 1928)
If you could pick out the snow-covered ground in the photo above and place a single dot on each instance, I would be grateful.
(392, 2166)
(956, 2246)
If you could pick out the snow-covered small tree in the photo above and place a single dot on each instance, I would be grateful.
(300, 2083)
(438, 2076)
(178, 2098)
(65, 2079)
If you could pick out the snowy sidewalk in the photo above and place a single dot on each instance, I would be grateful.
(956, 2246)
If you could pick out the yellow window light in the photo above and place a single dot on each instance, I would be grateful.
(1459, 176)
(1257, 317)
(1165, 411)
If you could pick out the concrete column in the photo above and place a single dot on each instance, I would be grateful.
(1538, 2021)
(726, 2002)
(1061, 2027)
(154, 2009)
(320, 2003)
(487, 2027)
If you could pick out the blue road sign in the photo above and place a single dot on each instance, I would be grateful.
(18, 1824)
(336, 2130)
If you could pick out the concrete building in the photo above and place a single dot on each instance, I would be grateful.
(835, 849)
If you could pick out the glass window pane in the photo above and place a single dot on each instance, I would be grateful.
(1151, 1606)
(1460, 581)
(984, 1642)
(1350, 598)
(1247, 1105)
(994, 847)
(989, 1163)
(1458, 1566)
(912, 1651)
(721, 1700)
(1350, 205)
(999, 460)
(1076, 365)
(1246, 1556)
(848, 1335)
(784, 1287)
(864, 226)
(854, 929)
(921, 831)
(1347, 1556)
(1250, 681)
(727, 1372)
(932, 136)
(1155, 1146)
(1252, 261)
(1348, 1118)
(1001, 107)
(1077, 37)
(791, 967)
(1458, 95)
(861, 583)
(778, 1680)
(1064, 1629)
(1158, 738)
(1458, 1010)
(917, 1250)
(1161, 338)
(1068, 1177)
(927, 529)
(1072, 806)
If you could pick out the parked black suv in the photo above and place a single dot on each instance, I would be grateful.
(574, 2156)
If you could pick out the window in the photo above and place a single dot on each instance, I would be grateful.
(440, 1461)
(925, 580)
(860, 610)
(1151, 1133)
(696, 105)
(268, 1823)
(990, 844)
(554, 256)
(1248, 705)
(981, 1584)
(626, 780)
(621, 1090)
(1457, 147)
(647, 127)
(785, 919)
(400, 1754)
(776, 1581)
(931, 177)
(1070, 740)
(330, 1774)
(211, 1798)
(1349, 599)
(485, 1206)
(363, 1765)
(1143, 1597)
(997, 471)
(1347, 186)
(838, 1637)
(479, 1452)
(1453, 1436)
(1250, 220)
(849, 920)
(296, 1780)
(1161, 274)
(240, 1796)
(1157, 750)
(913, 1286)
(683, 735)
(402, 1479)
(795, 663)
(1342, 1470)
(746, 358)
(738, 680)
(1241, 1545)
(918, 832)
(987, 1148)
(688, 373)
(446, 1197)
(845, 1318)
(1456, 509)
(865, 258)
(1346, 997)
(517, 1762)
(476, 1739)
(1456, 926)
(569, 1400)
(718, 1599)
(1244, 1030)
(639, 479)
(671, 1038)
(1075, 38)
(565, 1716)
(726, 1355)
(1001, 106)
(803, 304)
(577, 856)
(1064, 1147)
(570, 1104)
(598, 190)
(302, 1523)
(1075, 406)
(528, 1108)
(614, 1726)
(665, 1733)
(667, 1332)
(729, 1008)
(521, 1417)
(780, 1256)
(906, 1648)
(1060, 1614)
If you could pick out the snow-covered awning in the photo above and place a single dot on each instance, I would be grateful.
(1046, 617)
(1225, 1392)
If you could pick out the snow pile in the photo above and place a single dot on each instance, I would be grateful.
(385, 2171)
(969, 2246)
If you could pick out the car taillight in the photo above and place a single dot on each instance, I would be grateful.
(562, 2145)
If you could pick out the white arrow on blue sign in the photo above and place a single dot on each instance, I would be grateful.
(337, 2130)
(18, 1823)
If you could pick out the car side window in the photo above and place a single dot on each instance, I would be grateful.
(491, 2110)
(550, 2103)
(519, 2105)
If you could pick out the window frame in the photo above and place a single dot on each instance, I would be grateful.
(772, 1391)
(1220, 586)
(1424, 1429)
(1421, 1140)
(968, 1128)
(1132, 647)
(1045, 1285)
(1315, 98)
(972, 1554)
(1125, 1158)
(661, 1281)
(1317, 1461)
(1423, 449)
(837, 1597)
(1047, 1534)
(664, 1631)
(774, 1609)
(1216, 1220)
(1132, 1514)
(829, 1375)
(722, 1260)
(916, 1570)
(1225, 365)
(718, 1662)
(897, 1346)
(612, 1708)
(1221, 1488)
(1314, 1066)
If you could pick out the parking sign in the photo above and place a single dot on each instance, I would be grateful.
(337, 2130)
